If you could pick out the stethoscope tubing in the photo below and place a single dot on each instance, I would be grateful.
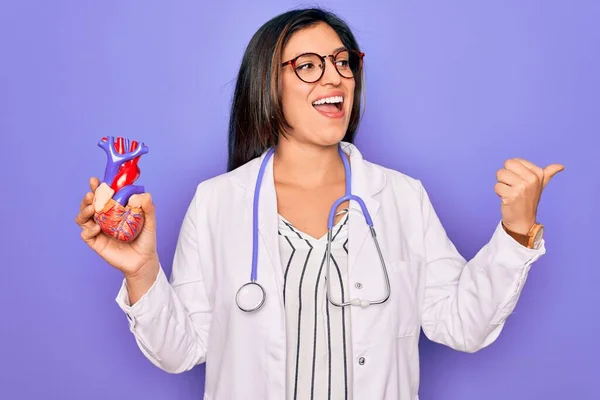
(348, 196)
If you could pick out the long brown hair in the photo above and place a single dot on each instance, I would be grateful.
(256, 112)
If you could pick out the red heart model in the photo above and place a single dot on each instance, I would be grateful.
(116, 215)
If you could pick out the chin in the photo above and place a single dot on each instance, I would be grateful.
(319, 135)
(331, 137)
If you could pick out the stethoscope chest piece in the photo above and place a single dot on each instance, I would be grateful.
(250, 297)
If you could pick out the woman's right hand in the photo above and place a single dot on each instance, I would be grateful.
(128, 257)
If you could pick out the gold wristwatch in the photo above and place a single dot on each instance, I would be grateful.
(531, 239)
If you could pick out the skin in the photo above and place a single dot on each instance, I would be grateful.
(519, 185)
(308, 172)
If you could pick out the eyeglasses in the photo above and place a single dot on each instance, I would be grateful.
(310, 67)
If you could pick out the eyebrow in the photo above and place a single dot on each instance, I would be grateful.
(333, 52)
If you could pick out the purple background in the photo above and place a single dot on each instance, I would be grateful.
(453, 89)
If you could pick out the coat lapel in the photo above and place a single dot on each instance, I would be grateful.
(267, 216)
(366, 182)
(268, 222)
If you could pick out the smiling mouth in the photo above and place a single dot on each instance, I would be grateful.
(329, 104)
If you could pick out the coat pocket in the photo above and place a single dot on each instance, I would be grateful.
(404, 281)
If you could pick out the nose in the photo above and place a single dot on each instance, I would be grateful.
(330, 76)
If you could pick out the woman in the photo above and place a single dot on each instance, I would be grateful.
(301, 343)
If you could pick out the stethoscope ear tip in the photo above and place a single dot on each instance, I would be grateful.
(360, 302)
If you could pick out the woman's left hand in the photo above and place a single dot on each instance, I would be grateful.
(520, 185)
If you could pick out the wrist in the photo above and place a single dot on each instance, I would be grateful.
(146, 273)
(530, 239)
(521, 228)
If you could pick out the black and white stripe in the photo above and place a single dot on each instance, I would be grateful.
(317, 332)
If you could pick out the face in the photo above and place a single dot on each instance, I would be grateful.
(311, 108)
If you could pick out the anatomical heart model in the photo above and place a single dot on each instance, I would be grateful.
(116, 215)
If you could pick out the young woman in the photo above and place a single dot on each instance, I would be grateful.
(339, 309)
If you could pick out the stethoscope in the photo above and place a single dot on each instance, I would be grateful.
(251, 296)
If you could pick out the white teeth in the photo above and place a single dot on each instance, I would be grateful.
(332, 100)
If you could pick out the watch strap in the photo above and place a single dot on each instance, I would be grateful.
(519, 237)
(524, 240)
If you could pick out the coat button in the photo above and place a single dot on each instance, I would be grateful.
(358, 285)
(361, 361)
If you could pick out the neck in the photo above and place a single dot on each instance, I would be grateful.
(306, 165)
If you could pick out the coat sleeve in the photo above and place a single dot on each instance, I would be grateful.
(467, 303)
(171, 321)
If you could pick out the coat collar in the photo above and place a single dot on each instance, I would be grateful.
(367, 181)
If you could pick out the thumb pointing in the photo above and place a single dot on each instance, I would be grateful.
(550, 171)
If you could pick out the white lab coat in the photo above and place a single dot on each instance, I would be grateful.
(194, 318)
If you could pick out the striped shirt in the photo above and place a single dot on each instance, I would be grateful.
(318, 333)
